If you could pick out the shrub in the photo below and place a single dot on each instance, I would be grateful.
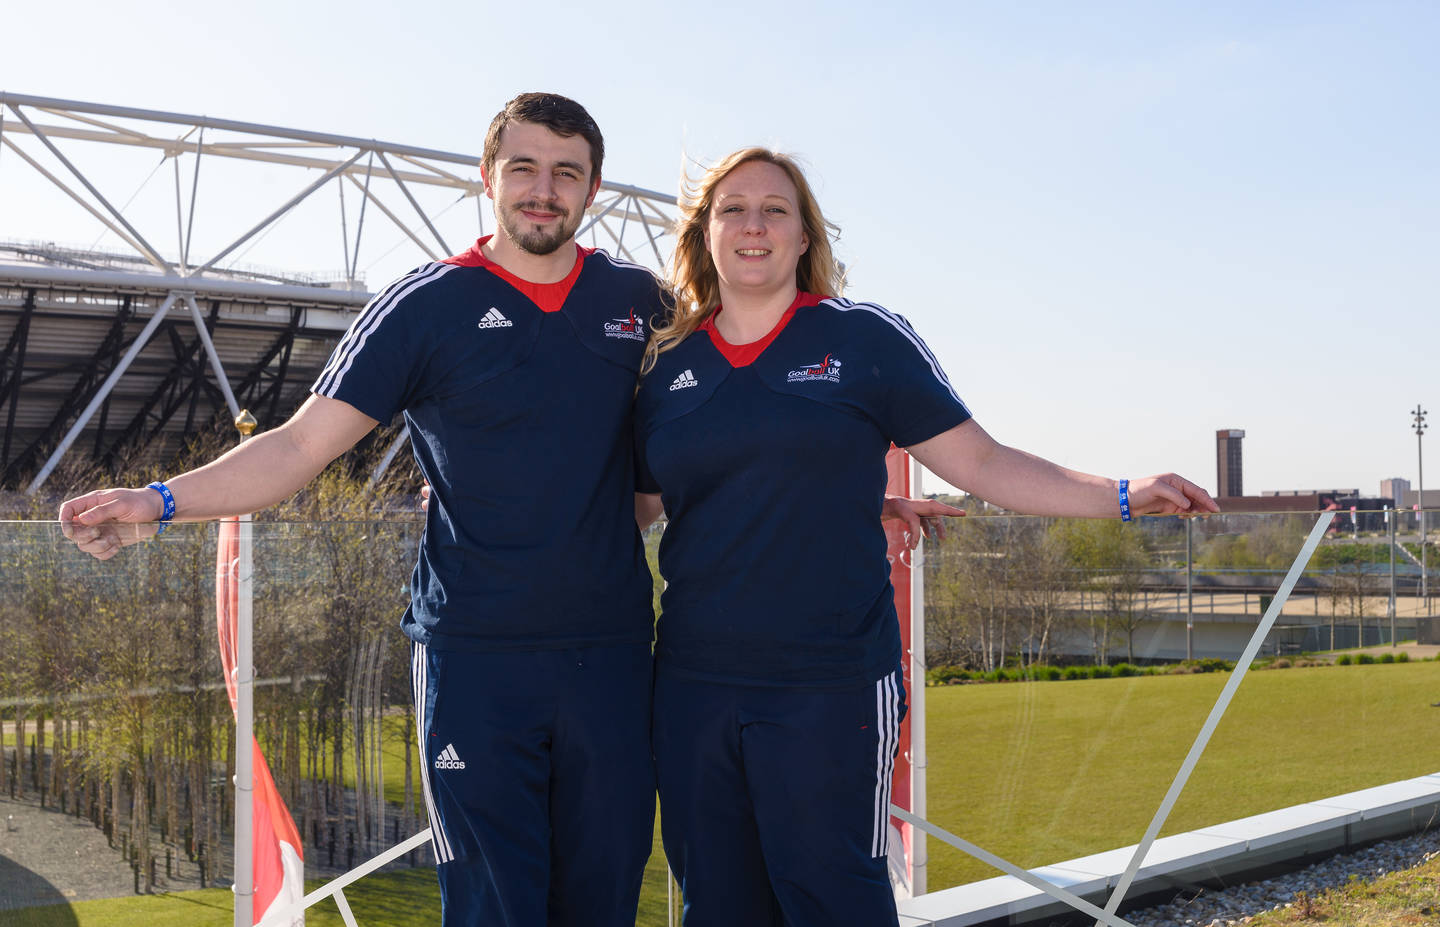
(1207, 665)
(1343, 660)
(1364, 659)
(948, 675)
(1043, 673)
(1280, 663)
(1127, 669)
(1387, 658)
(1099, 672)
(1074, 672)
(1402, 657)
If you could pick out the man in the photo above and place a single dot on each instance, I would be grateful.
(530, 619)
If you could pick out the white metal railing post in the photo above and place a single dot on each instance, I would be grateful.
(919, 853)
(244, 714)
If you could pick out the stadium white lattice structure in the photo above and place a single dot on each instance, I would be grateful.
(118, 351)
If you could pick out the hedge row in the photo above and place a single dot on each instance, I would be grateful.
(954, 675)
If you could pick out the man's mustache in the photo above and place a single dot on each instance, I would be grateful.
(538, 206)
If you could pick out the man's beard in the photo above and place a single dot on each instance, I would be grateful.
(536, 241)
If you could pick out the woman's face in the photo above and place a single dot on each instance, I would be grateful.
(754, 234)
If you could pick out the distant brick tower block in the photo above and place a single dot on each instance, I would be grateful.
(1228, 467)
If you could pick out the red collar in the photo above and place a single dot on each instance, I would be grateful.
(743, 355)
(549, 297)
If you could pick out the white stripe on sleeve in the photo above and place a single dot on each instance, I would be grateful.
(369, 319)
(899, 323)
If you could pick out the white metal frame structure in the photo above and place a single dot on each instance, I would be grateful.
(50, 294)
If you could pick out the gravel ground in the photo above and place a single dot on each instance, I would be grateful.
(1238, 903)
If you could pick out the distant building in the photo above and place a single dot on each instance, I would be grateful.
(1432, 510)
(1228, 465)
(1368, 515)
(1395, 488)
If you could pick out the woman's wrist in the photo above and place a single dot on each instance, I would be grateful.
(167, 504)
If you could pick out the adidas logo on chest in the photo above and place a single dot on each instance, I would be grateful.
(684, 381)
(495, 319)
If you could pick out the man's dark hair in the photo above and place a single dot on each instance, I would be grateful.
(560, 115)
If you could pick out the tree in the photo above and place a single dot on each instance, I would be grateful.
(1109, 556)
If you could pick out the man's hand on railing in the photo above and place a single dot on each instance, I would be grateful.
(101, 523)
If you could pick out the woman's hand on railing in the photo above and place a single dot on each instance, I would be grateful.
(921, 516)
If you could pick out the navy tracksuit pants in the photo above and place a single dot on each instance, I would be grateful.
(774, 802)
(539, 783)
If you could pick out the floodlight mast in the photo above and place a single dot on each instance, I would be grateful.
(1419, 414)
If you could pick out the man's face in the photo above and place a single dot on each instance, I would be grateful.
(541, 184)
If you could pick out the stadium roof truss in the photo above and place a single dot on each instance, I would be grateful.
(123, 353)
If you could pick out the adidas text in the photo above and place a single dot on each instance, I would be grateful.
(684, 380)
(494, 319)
(449, 759)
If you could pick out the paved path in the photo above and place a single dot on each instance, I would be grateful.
(48, 857)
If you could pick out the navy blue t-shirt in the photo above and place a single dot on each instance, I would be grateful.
(520, 418)
(772, 472)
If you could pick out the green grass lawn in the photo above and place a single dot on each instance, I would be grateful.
(1041, 772)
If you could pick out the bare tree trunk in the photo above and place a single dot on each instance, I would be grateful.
(4, 760)
(20, 713)
(377, 743)
(409, 772)
(357, 738)
(115, 800)
(140, 814)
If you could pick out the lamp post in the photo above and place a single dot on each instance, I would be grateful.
(1420, 462)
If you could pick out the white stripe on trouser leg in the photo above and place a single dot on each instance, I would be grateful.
(419, 670)
(892, 703)
(886, 732)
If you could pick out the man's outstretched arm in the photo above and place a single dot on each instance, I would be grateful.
(267, 469)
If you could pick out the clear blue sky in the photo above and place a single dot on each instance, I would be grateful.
(1121, 226)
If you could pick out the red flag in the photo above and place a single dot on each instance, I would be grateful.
(278, 857)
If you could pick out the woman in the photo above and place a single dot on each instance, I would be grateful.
(778, 694)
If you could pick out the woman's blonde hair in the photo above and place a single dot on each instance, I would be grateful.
(692, 271)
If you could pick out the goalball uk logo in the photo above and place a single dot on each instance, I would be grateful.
(631, 329)
(449, 759)
(828, 369)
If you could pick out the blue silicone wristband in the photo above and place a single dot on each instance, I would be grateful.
(169, 502)
(1124, 500)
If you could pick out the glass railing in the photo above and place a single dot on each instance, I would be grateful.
(1072, 665)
